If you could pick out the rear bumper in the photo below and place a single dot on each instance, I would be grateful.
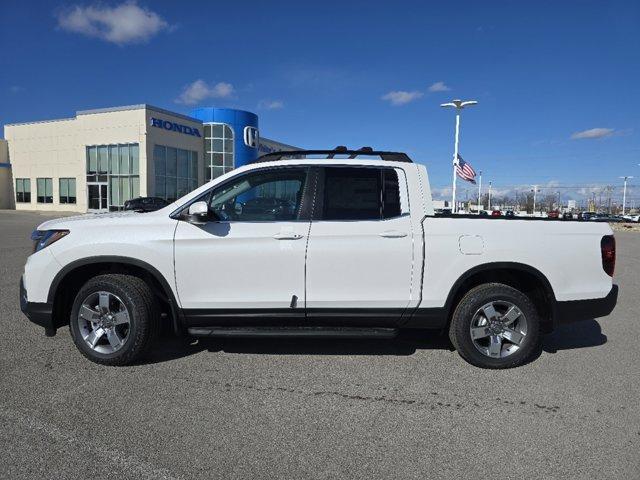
(39, 313)
(576, 310)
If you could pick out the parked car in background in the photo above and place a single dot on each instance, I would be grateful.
(510, 214)
(145, 204)
(567, 216)
(585, 216)
(496, 213)
(632, 218)
(483, 213)
(553, 214)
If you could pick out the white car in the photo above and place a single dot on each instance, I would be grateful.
(632, 218)
(344, 245)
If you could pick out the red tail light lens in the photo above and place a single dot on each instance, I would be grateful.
(608, 248)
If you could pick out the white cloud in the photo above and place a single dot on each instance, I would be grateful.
(439, 87)
(199, 90)
(120, 24)
(400, 97)
(593, 133)
(271, 104)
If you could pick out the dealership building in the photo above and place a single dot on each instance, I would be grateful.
(99, 159)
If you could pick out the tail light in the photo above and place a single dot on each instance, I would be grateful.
(608, 249)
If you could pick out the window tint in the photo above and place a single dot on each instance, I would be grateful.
(391, 194)
(352, 194)
(360, 193)
(270, 195)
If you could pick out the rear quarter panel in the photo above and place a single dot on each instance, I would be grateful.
(566, 253)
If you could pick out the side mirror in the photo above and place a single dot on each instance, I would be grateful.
(198, 213)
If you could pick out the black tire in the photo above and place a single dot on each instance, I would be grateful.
(474, 299)
(143, 318)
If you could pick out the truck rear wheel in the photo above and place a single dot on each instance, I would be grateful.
(114, 319)
(495, 326)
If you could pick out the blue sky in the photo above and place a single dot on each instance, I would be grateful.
(354, 73)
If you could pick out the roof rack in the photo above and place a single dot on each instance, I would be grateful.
(364, 151)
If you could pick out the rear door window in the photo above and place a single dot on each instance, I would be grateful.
(360, 193)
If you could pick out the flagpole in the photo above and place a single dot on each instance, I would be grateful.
(479, 190)
(455, 160)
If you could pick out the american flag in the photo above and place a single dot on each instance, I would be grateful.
(465, 171)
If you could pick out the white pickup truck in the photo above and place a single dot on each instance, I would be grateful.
(316, 243)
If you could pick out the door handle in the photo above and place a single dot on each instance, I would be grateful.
(393, 234)
(287, 236)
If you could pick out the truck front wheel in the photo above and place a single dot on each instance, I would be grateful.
(114, 319)
(495, 326)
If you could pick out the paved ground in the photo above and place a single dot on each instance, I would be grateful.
(277, 409)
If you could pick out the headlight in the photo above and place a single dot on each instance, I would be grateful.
(44, 238)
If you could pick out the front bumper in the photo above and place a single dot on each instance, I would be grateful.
(576, 310)
(39, 313)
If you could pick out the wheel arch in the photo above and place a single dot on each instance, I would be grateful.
(531, 281)
(72, 276)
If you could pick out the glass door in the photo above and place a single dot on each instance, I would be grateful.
(97, 197)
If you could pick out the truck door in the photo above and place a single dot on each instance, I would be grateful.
(360, 253)
(246, 266)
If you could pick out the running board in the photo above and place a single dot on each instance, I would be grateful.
(309, 332)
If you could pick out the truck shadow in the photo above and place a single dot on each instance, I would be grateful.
(570, 336)
(565, 337)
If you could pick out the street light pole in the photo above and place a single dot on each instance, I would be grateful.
(458, 105)
(479, 190)
(535, 191)
(624, 193)
(489, 206)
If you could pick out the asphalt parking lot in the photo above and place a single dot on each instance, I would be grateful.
(284, 409)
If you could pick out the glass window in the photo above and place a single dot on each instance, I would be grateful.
(171, 191)
(216, 159)
(106, 164)
(390, 194)
(160, 160)
(92, 160)
(67, 190)
(265, 196)
(44, 190)
(135, 187)
(172, 156)
(114, 162)
(176, 172)
(160, 190)
(124, 159)
(217, 131)
(352, 193)
(217, 145)
(219, 140)
(125, 189)
(183, 164)
(193, 169)
(103, 159)
(135, 159)
(23, 190)
(114, 191)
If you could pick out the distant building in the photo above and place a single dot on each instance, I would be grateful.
(98, 159)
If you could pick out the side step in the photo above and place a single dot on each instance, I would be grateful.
(309, 332)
